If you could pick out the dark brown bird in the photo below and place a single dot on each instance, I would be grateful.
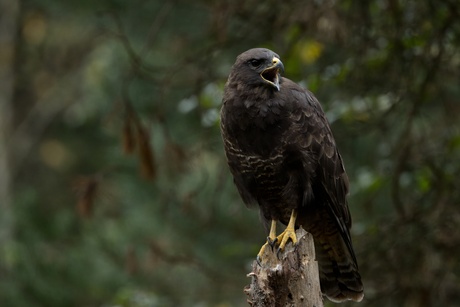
(283, 157)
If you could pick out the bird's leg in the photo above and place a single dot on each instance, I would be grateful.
(271, 240)
(288, 233)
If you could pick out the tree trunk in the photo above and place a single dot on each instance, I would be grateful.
(291, 280)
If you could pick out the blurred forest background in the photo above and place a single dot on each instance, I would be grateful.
(114, 190)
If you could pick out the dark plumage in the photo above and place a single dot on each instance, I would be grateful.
(283, 157)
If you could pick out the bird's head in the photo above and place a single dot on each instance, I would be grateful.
(258, 66)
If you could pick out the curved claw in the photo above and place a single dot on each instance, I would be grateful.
(259, 260)
(278, 253)
(272, 242)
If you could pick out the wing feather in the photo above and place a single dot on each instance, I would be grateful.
(311, 134)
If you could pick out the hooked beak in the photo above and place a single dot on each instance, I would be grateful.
(271, 74)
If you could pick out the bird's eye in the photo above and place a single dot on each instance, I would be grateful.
(254, 63)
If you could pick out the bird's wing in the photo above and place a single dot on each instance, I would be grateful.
(312, 136)
(330, 222)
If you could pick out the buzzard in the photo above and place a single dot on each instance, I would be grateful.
(283, 158)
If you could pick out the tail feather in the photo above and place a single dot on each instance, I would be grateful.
(338, 269)
(339, 276)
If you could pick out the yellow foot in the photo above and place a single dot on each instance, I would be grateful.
(271, 241)
(288, 233)
(262, 250)
(283, 238)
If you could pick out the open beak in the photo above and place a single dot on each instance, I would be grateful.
(271, 74)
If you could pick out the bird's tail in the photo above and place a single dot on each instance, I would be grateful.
(338, 271)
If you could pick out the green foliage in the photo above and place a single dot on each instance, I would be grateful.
(120, 190)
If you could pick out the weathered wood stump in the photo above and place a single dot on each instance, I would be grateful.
(291, 280)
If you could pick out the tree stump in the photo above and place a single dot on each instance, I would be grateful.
(291, 280)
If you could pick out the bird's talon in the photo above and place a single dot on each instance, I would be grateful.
(278, 253)
(259, 261)
(271, 242)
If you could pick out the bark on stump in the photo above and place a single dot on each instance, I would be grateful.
(291, 280)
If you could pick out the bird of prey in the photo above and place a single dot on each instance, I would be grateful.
(283, 157)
